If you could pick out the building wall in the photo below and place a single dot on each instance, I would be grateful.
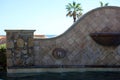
(75, 47)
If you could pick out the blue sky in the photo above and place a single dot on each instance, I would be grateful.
(45, 16)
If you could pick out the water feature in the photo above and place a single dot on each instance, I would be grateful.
(74, 55)
(63, 76)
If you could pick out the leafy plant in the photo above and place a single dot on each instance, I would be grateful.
(3, 45)
(102, 4)
(2, 58)
(74, 10)
(2, 49)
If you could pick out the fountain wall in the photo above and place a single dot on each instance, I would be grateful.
(75, 48)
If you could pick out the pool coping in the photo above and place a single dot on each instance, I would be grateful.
(38, 70)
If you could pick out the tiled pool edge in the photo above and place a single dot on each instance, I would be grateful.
(38, 70)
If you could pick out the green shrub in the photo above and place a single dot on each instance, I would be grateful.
(2, 49)
(2, 58)
(2, 46)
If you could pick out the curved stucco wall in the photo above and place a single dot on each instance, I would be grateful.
(76, 41)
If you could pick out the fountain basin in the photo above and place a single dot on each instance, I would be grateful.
(106, 38)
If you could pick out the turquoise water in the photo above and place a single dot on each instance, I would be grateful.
(64, 76)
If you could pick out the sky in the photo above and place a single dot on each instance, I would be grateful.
(47, 17)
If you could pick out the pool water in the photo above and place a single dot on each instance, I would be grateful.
(63, 76)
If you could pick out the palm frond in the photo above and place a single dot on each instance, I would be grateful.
(74, 3)
(68, 8)
(101, 3)
(69, 13)
(70, 5)
(78, 5)
(106, 4)
(79, 9)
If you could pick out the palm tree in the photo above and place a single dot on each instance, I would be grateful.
(102, 5)
(74, 10)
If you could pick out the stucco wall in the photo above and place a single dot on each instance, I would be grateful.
(80, 48)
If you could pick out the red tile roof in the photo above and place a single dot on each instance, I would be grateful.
(2, 39)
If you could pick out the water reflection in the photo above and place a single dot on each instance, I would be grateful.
(64, 76)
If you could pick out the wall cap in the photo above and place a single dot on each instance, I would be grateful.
(21, 30)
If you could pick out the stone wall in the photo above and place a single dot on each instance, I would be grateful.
(74, 48)
(20, 48)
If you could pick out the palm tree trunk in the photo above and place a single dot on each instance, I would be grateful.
(74, 16)
(74, 19)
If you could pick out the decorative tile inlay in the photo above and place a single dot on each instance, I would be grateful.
(59, 53)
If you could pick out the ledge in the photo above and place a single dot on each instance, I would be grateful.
(19, 30)
(38, 70)
(65, 66)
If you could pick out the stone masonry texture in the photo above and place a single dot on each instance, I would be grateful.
(19, 47)
(75, 46)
